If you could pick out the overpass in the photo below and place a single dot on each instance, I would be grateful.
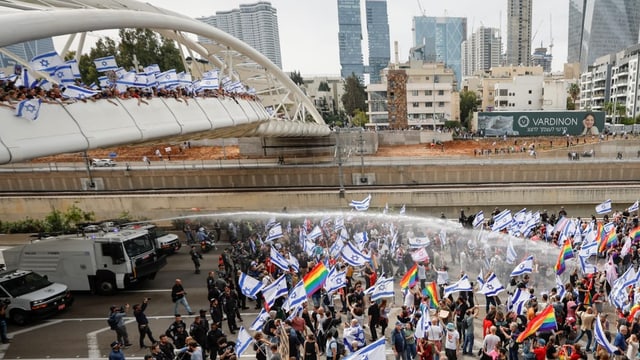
(88, 125)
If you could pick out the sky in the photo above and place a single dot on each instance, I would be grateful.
(309, 28)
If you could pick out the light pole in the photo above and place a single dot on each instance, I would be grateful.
(340, 173)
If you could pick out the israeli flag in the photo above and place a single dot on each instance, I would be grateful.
(184, 79)
(46, 62)
(260, 320)
(585, 266)
(628, 278)
(210, 81)
(63, 74)
(308, 246)
(353, 256)
(502, 220)
(167, 79)
(29, 109)
(226, 83)
(274, 233)
(361, 238)
(383, 288)
(293, 262)
(27, 79)
(423, 324)
(604, 208)
(315, 233)
(511, 253)
(152, 69)
(275, 290)
(104, 82)
(249, 286)
(338, 224)
(126, 80)
(279, 260)
(634, 207)
(297, 296)
(75, 69)
(78, 92)
(337, 246)
(524, 267)
(480, 278)
(589, 246)
(419, 242)
(492, 286)
(243, 341)
(362, 205)
(461, 285)
(478, 219)
(517, 300)
(335, 280)
(601, 338)
(374, 351)
(106, 64)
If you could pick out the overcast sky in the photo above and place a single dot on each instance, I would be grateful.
(309, 28)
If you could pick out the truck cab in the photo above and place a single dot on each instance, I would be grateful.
(166, 243)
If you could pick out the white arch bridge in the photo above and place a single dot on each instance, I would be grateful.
(82, 126)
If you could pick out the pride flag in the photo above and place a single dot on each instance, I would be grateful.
(632, 312)
(410, 278)
(566, 252)
(545, 321)
(609, 240)
(315, 278)
(431, 290)
(634, 234)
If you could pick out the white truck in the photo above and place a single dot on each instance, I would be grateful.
(99, 262)
(166, 243)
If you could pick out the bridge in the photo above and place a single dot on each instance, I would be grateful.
(88, 125)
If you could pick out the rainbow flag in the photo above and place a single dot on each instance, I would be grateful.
(545, 321)
(410, 278)
(634, 234)
(431, 290)
(566, 252)
(587, 298)
(609, 240)
(632, 312)
(315, 278)
(599, 232)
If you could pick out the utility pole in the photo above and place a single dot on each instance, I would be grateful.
(339, 154)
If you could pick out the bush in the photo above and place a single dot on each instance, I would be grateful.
(55, 221)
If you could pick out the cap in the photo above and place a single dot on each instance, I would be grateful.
(542, 342)
(451, 327)
(203, 311)
(114, 344)
(398, 323)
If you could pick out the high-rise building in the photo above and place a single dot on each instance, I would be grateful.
(481, 51)
(26, 51)
(256, 24)
(441, 40)
(542, 58)
(378, 38)
(350, 39)
(599, 27)
(519, 32)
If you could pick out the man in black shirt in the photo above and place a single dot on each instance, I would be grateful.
(374, 315)
(213, 336)
(143, 322)
(198, 332)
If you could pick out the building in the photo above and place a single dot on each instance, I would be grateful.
(598, 28)
(484, 84)
(415, 94)
(327, 99)
(519, 14)
(441, 40)
(256, 24)
(481, 51)
(378, 38)
(542, 58)
(26, 51)
(350, 39)
(595, 84)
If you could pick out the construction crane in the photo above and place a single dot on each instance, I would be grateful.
(424, 13)
(551, 33)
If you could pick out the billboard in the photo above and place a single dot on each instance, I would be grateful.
(536, 123)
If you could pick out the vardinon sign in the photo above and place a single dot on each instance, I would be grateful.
(535, 123)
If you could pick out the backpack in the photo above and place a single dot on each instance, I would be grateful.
(112, 321)
(340, 349)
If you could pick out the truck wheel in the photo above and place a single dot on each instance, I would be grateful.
(105, 287)
(19, 317)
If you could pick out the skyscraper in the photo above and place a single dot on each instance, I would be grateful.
(481, 51)
(378, 35)
(256, 24)
(27, 51)
(441, 39)
(601, 27)
(519, 32)
(350, 39)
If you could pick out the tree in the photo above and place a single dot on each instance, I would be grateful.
(354, 97)
(324, 86)
(574, 92)
(296, 78)
(468, 103)
(104, 47)
(359, 118)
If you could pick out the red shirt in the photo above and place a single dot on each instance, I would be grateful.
(540, 352)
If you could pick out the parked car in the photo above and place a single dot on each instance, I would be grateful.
(102, 162)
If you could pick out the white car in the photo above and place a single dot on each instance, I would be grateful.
(102, 162)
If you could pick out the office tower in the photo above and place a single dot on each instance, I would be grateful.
(542, 58)
(481, 51)
(599, 27)
(350, 39)
(378, 38)
(256, 24)
(441, 40)
(519, 32)
(26, 51)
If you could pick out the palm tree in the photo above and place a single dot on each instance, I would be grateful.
(574, 92)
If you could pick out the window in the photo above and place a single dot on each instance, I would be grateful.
(529, 102)
(428, 104)
(502, 92)
(414, 93)
(441, 104)
(416, 104)
(427, 92)
(440, 92)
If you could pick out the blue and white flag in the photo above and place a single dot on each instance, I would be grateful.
(46, 62)
(315, 233)
(184, 79)
(604, 208)
(512, 256)
(152, 69)
(104, 82)
(335, 280)
(274, 233)
(78, 92)
(270, 223)
(374, 351)
(294, 263)
(308, 246)
(361, 238)
(480, 278)
(461, 285)
(29, 109)
(560, 287)
(517, 300)
(106, 64)
(628, 278)
(249, 286)
(502, 220)
(243, 341)
(419, 242)
(362, 205)
(278, 260)
(75, 69)
(63, 74)
(297, 296)
(336, 247)
(492, 286)
(524, 267)
(634, 207)
(353, 256)
(403, 209)
(601, 338)
(27, 79)
(167, 79)
(382, 288)
(478, 219)
(338, 224)
(585, 266)
(260, 320)
(275, 290)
